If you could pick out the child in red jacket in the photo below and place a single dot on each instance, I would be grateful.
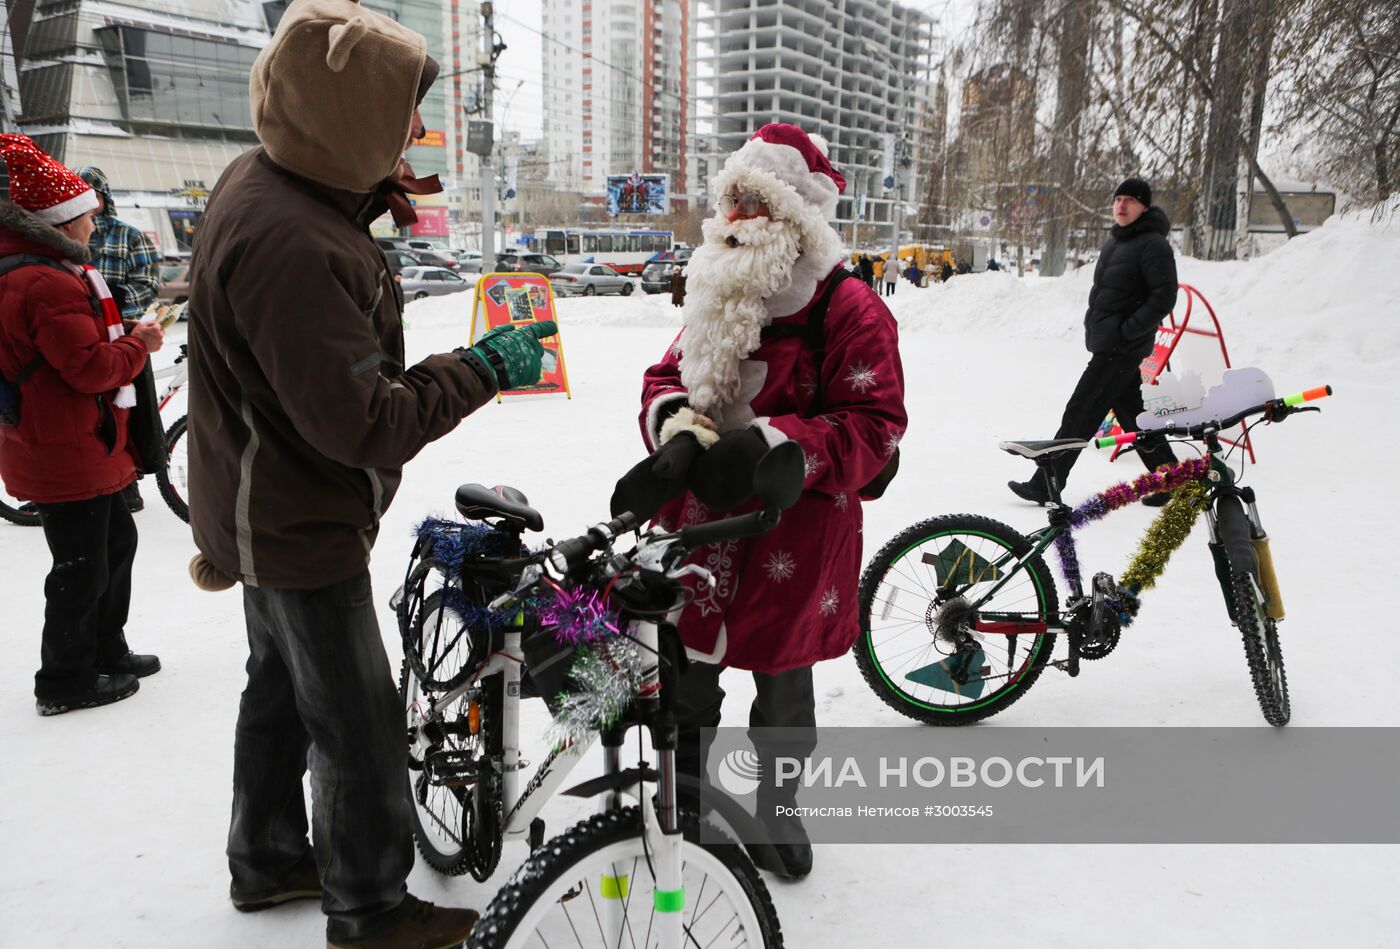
(61, 333)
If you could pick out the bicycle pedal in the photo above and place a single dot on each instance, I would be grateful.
(453, 769)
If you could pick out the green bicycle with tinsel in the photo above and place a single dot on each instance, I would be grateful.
(960, 614)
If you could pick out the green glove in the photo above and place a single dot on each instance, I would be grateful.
(512, 355)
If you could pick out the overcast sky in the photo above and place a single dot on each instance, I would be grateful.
(518, 104)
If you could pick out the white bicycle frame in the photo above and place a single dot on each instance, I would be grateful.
(522, 807)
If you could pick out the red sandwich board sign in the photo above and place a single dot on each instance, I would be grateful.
(505, 299)
(1168, 336)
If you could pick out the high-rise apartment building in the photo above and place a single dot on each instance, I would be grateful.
(460, 83)
(853, 71)
(618, 91)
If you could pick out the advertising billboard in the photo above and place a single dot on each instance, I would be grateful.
(638, 194)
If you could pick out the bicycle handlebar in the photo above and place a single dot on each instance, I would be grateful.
(1274, 410)
(568, 554)
(731, 528)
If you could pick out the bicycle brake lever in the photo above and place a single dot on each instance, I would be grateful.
(692, 569)
(528, 578)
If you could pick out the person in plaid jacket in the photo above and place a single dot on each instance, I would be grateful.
(125, 257)
(128, 261)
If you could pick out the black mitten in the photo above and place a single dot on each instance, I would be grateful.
(723, 476)
(655, 479)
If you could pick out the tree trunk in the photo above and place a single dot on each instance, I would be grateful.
(1071, 84)
(1224, 142)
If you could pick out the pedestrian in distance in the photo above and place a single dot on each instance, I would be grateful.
(1134, 290)
(744, 375)
(892, 268)
(63, 347)
(302, 414)
(867, 270)
(129, 263)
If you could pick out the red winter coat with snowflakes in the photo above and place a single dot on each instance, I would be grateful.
(70, 444)
(787, 599)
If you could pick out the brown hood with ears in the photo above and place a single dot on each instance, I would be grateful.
(333, 94)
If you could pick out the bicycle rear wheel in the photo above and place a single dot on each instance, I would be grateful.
(454, 794)
(23, 513)
(913, 586)
(593, 886)
(174, 478)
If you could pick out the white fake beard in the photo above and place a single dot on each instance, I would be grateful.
(725, 289)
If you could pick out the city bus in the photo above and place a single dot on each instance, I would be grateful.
(626, 250)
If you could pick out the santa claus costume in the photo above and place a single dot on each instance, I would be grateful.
(787, 599)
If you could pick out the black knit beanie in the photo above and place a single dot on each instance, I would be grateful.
(1136, 188)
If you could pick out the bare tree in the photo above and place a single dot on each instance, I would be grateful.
(1345, 59)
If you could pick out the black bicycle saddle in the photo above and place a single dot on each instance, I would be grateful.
(1045, 448)
(477, 502)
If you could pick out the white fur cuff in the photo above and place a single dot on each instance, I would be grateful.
(684, 420)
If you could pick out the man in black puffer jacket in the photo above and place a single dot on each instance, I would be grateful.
(1134, 290)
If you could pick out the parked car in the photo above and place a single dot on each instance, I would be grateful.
(656, 278)
(399, 260)
(435, 258)
(420, 282)
(588, 279)
(527, 263)
(174, 283)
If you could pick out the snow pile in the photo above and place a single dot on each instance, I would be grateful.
(1323, 304)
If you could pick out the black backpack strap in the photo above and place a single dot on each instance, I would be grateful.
(12, 262)
(813, 332)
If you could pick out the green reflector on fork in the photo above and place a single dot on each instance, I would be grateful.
(613, 888)
(668, 901)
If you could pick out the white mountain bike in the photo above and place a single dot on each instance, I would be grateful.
(637, 873)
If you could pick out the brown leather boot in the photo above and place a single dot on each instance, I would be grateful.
(417, 925)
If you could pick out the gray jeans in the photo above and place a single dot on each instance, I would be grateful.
(319, 682)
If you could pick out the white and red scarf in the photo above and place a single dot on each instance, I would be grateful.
(97, 287)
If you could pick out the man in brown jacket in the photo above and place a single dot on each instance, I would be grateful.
(302, 413)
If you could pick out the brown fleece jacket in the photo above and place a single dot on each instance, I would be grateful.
(302, 411)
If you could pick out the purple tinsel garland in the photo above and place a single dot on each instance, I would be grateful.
(1166, 478)
(579, 616)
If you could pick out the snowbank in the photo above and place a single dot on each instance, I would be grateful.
(1325, 304)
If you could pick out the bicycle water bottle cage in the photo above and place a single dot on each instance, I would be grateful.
(476, 502)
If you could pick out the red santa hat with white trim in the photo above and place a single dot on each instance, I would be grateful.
(43, 186)
(789, 168)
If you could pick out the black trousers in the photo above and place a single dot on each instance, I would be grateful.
(319, 686)
(784, 700)
(87, 592)
(1110, 381)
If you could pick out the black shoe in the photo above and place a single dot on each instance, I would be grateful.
(105, 691)
(304, 883)
(1032, 491)
(1158, 499)
(131, 494)
(415, 924)
(132, 664)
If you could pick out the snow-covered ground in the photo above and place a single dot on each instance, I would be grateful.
(112, 822)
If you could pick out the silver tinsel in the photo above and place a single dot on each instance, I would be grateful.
(609, 676)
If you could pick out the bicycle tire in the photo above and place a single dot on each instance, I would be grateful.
(607, 840)
(1258, 632)
(23, 513)
(921, 706)
(476, 823)
(171, 489)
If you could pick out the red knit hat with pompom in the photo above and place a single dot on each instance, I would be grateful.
(42, 185)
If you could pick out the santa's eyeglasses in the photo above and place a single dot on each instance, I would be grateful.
(746, 203)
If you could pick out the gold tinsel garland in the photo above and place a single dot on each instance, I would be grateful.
(1165, 535)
